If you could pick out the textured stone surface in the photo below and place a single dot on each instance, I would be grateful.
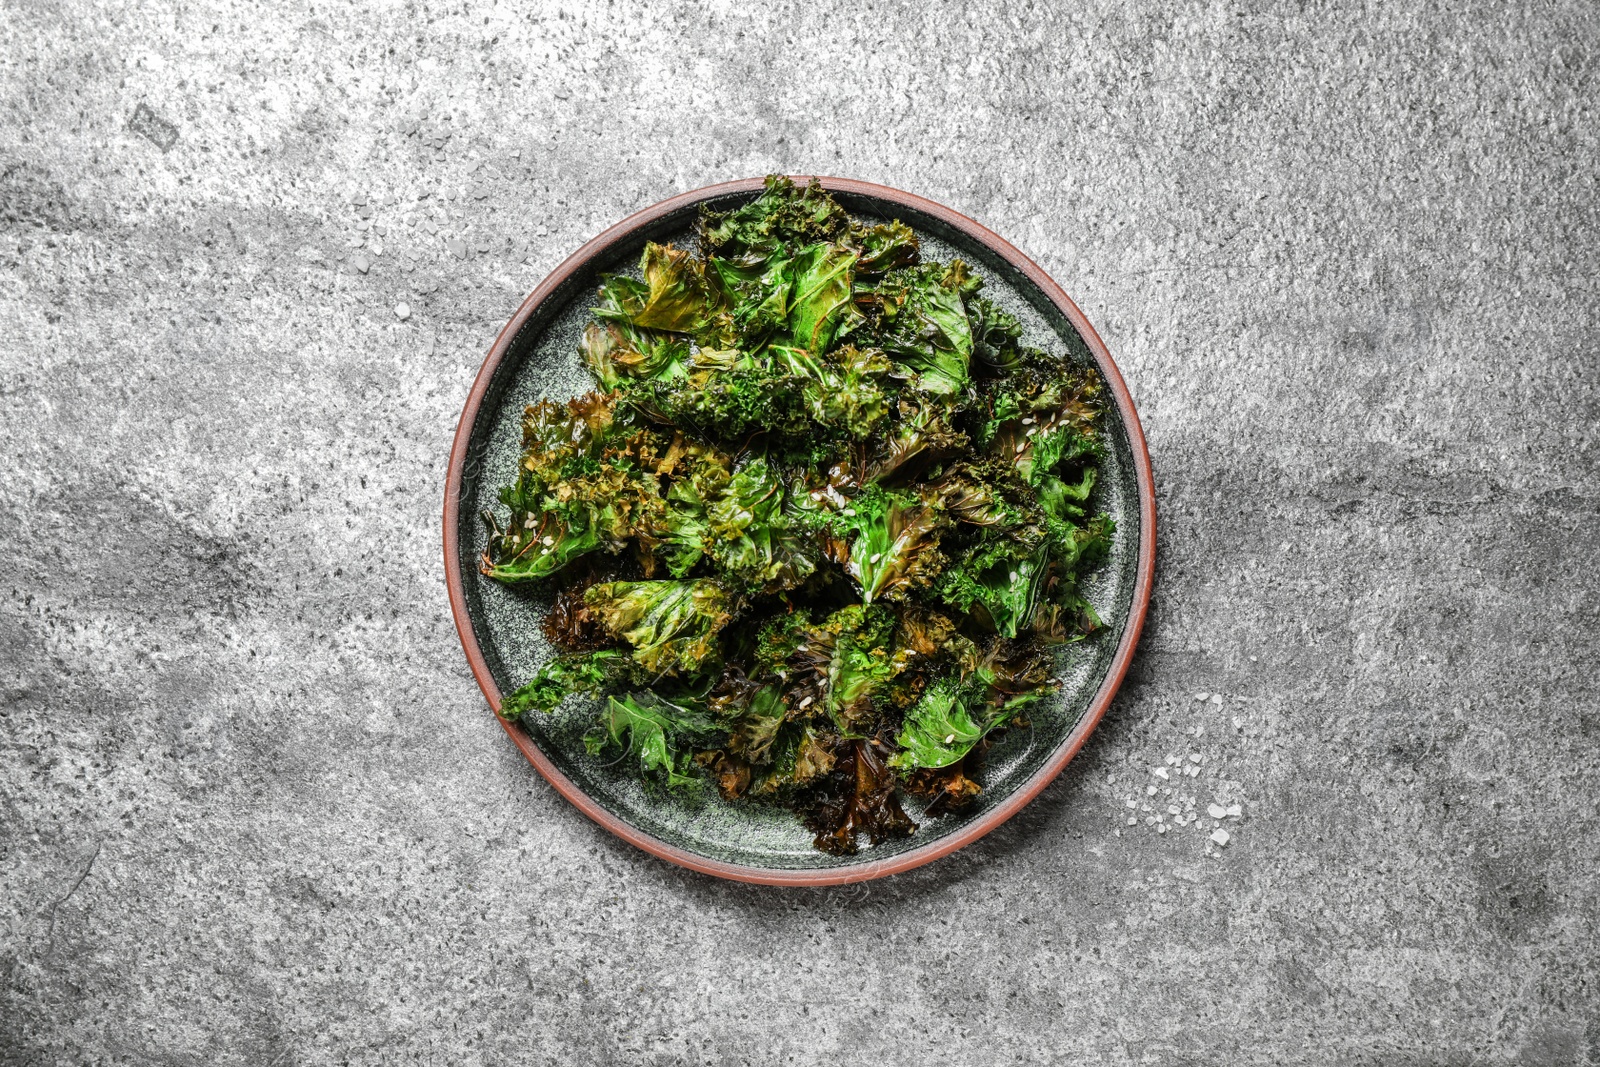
(254, 811)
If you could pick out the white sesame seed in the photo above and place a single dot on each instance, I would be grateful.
(806, 703)
(949, 738)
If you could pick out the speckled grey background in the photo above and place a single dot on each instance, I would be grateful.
(254, 811)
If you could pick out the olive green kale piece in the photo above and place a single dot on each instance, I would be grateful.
(657, 732)
(671, 625)
(814, 536)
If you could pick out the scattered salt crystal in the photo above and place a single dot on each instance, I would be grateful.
(1161, 829)
(1216, 811)
(402, 311)
(1133, 803)
(1133, 820)
(1220, 837)
(1201, 696)
(1235, 810)
(1216, 698)
(1194, 757)
(1192, 771)
(1149, 790)
(1173, 761)
(1160, 772)
(1173, 809)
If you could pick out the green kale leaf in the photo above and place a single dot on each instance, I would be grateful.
(659, 733)
(672, 625)
(583, 672)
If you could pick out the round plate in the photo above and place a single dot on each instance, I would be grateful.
(536, 356)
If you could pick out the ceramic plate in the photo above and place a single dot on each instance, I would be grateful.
(536, 356)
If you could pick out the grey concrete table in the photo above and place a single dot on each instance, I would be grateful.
(254, 809)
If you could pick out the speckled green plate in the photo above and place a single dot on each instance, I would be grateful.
(536, 356)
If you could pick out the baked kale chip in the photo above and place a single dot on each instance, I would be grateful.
(813, 536)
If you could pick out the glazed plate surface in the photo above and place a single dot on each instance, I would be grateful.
(536, 357)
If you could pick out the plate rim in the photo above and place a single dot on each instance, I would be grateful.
(868, 868)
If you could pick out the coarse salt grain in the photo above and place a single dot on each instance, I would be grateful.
(1194, 757)
(1149, 790)
(1220, 837)
(1201, 696)
(1160, 772)
(1216, 811)
(1235, 810)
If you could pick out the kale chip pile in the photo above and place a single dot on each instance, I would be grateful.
(814, 534)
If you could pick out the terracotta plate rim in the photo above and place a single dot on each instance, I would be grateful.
(868, 868)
